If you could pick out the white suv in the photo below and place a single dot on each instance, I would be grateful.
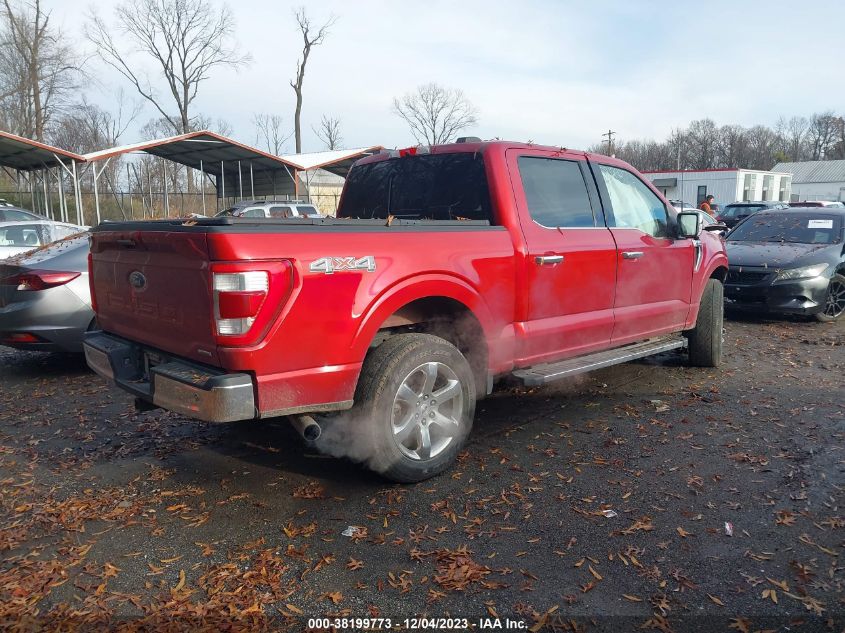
(271, 209)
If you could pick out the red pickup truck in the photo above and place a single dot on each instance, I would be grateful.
(446, 268)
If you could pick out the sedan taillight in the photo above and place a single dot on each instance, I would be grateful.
(39, 279)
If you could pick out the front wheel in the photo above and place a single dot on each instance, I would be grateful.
(414, 405)
(834, 305)
(705, 339)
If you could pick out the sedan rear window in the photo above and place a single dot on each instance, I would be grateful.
(733, 211)
(25, 235)
(423, 187)
(803, 228)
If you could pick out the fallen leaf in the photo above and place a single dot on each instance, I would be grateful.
(181, 582)
(715, 600)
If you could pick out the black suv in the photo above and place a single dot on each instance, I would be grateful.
(732, 214)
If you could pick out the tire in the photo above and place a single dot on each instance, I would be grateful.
(705, 339)
(835, 301)
(396, 385)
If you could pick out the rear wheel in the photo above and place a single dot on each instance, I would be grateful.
(705, 339)
(834, 305)
(415, 403)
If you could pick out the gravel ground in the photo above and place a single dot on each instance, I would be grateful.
(649, 496)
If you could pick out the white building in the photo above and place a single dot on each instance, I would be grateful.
(727, 185)
(816, 179)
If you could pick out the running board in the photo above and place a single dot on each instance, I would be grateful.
(544, 374)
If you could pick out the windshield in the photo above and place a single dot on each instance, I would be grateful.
(733, 211)
(428, 186)
(803, 228)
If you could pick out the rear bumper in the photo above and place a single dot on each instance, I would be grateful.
(803, 296)
(193, 390)
(56, 317)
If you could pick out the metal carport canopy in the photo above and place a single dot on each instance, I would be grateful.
(337, 162)
(246, 171)
(17, 152)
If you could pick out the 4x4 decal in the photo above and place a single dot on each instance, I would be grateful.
(329, 265)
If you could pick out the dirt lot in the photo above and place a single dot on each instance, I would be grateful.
(604, 504)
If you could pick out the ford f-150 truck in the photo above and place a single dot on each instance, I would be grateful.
(446, 268)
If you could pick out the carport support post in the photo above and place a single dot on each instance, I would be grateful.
(31, 190)
(202, 187)
(96, 191)
(223, 184)
(129, 187)
(62, 201)
(251, 180)
(150, 186)
(47, 210)
(166, 199)
(241, 180)
(80, 214)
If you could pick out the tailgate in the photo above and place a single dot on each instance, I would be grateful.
(153, 287)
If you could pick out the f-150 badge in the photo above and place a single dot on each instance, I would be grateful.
(329, 265)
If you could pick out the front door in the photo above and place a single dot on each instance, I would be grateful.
(568, 271)
(654, 278)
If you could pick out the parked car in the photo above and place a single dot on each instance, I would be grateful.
(818, 203)
(45, 302)
(20, 237)
(271, 209)
(9, 213)
(789, 261)
(737, 211)
(447, 268)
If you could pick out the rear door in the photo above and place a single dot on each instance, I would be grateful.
(569, 265)
(654, 274)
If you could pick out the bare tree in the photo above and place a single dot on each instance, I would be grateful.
(329, 132)
(39, 71)
(88, 128)
(220, 126)
(270, 133)
(186, 39)
(793, 135)
(435, 114)
(309, 40)
(822, 132)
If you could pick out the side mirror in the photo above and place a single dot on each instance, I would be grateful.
(689, 225)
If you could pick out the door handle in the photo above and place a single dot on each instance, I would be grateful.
(542, 260)
(632, 254)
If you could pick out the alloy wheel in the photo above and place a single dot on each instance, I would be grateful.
(835, 304)
(427, 411)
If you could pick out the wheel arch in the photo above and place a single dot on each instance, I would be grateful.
(437, 304)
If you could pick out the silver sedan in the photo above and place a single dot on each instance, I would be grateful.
(45, 301)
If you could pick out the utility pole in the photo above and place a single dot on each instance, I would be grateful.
(609, 134)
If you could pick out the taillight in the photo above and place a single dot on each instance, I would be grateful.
(19, 337)
(237, 299)
(247, 298)
(39, 279)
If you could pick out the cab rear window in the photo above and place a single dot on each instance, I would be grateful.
(423, 187)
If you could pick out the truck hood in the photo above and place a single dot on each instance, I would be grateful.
(775, 254)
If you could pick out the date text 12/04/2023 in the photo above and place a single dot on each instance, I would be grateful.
(418, 624)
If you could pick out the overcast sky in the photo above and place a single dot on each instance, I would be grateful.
(555, 72)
